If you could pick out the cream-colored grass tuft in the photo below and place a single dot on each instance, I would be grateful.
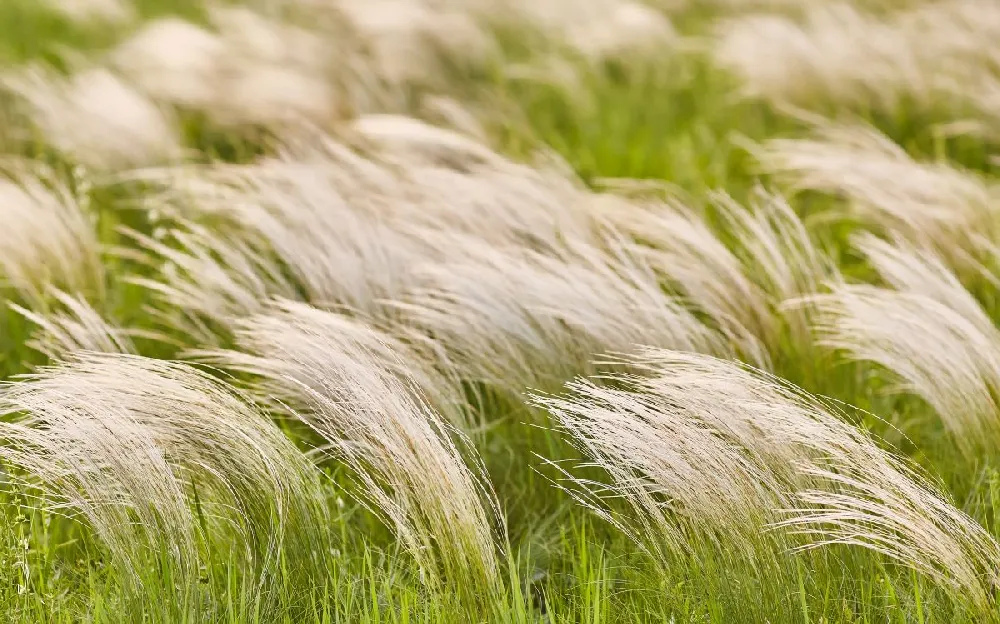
(892, 511)
(256, 37)
(677, 474)
(291, 342)
(349, 229)
(778, 254)
(208, 281)
(447, 180)
(364, 394)
(336, 254)
(495, 263)
(683, 248)
(931, 204)
(700, 448)
(352, 230)
(517, 318)
(404, 41)
(930, 332)
(121, 441)
(252, 71)
(502, 204)
(76, 327)
(620, 30)
(95, 118)
(920, 271)
(599, 30)
(272, 72)
(926, 56)
(173, 61)
(50, 236)
(741, 285)
(273, 95)
(94, 11)
(783, 61)
(406, 137)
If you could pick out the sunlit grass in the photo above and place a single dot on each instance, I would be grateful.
(676, 125)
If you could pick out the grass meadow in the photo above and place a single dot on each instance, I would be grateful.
(528, 311)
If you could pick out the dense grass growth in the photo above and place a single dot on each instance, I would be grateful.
(499, 311)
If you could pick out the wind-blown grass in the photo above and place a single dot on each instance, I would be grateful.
(365, 396)
(77, 327)
(929, 203)
(95, 118)
(56, 242)
(703, 450)
(170, 464)
(387, 232)
(842, 54)
(524, 319)
(892, 327)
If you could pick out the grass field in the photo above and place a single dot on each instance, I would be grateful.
(500, 311)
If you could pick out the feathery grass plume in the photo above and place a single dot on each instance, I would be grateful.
(253, 71)
(272, 95)
(50, 236)
(695, 446)
(599, 30)
(893, 511)
(960, 376)
(336, 254)
(682, 247)
(273, 72)
(505, 204)
(455, 115)
(408, 39)
(94, 118)
(109, 469)
(684, 424)
(293, 341)
(400, 44)
(955, 42)
(678, 474)
(777, 253)
(174, 62)
(840, 53)
(909, 268)
(366, 400)
(406, 137)
(165, 462)
(207, 280)
(351, 229)
(444, 185)
(516, 318)
(260, 38)
(602, 30)
(406, 42)
(94, 11)
(782, 256)
(347, 228)
(931, 204)
(77, 327)
(625, 31)
(435, 179)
